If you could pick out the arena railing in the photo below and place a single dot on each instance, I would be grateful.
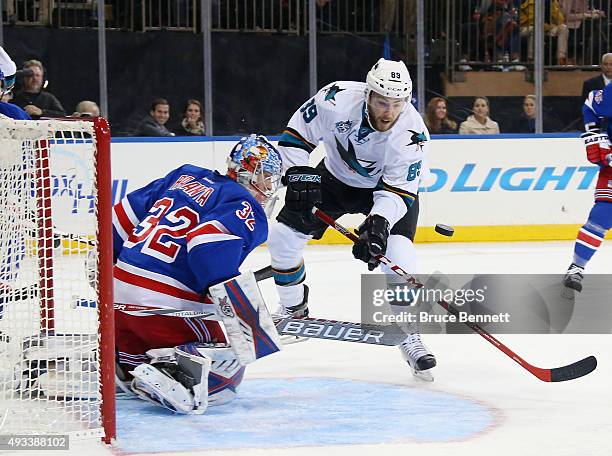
(493, 37)
(119, 14)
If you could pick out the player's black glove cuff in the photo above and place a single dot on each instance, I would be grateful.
(303, 188)
(373, 234)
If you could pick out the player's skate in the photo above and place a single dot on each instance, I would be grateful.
(298, 311)
(418, 356)
(573, 277)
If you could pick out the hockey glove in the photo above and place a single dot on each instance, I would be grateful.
(373, 234)
(303, 188)
(597, 147)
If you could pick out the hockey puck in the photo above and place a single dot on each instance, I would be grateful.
(444, 230)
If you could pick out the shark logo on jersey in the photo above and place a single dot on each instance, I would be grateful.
(350, 158)
(598, 96)
(417, 138)
(344, 125)
(330, 94)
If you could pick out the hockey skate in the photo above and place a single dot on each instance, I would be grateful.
(298, 311)
(573, 277)
(418, 357)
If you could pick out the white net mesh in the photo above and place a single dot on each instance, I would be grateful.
(49, 343)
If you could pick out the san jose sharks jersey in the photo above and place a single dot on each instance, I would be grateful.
(359, 156)
(181, 234)
(598, 106)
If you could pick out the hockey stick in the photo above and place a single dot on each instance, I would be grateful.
(346, 331)
(261, 274)
(557, 374)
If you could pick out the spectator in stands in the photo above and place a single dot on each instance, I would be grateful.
(600, 81)
(554, 25)
(479, 123)
(575, 12)
(436, 118)
(501, 31)
(86, 109)
(36, 102)
(192, 123)
(526, 122)
(154, 124)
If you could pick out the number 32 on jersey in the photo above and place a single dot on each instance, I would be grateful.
(246, 214)
(159, 238)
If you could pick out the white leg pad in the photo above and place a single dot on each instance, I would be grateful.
(249, 326)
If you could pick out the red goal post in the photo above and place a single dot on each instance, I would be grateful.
(56, 360)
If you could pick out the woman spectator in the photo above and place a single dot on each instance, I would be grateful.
(192, 123)
(526, 122)
(436, 118)
(479, 123)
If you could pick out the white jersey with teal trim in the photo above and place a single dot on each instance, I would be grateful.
(357, 155)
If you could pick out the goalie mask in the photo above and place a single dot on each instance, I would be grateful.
(256, 164)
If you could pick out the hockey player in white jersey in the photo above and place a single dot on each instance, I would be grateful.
(376, 143)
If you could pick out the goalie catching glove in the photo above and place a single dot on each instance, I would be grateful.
(372, 243)
(597, 147)
(303, 188)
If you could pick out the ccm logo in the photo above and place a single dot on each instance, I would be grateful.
(304, 178)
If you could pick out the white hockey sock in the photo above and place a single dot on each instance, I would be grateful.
(401, 251)
(286, 247)
(291, 295)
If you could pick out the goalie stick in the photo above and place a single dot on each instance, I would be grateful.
(261, 274)
(557, 374)
(346, 331)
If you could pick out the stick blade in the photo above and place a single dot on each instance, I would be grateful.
(575, 370)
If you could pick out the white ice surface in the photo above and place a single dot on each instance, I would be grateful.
(530, 417)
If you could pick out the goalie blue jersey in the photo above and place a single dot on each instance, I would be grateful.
(181, 234)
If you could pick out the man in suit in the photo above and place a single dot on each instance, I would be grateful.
(599, 82)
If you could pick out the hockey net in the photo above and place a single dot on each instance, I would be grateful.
(56, 353)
